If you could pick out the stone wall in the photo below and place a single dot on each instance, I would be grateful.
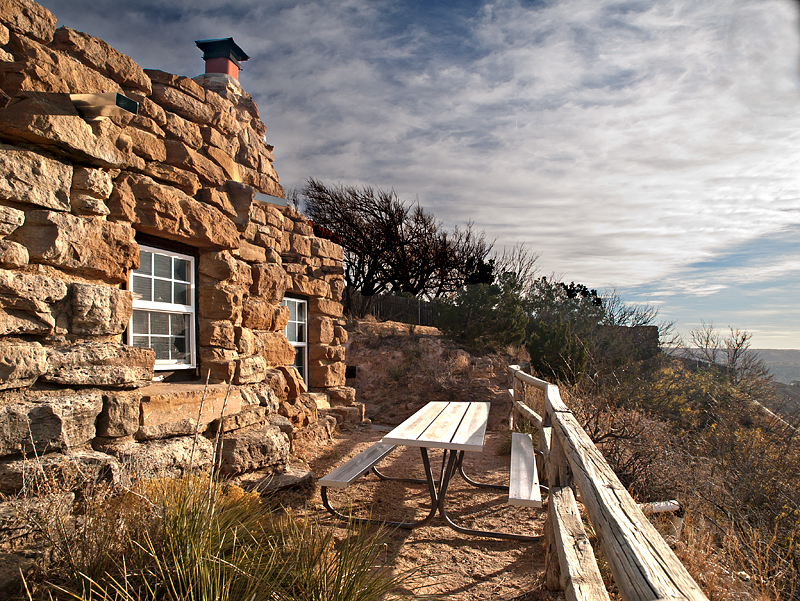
(77, 194)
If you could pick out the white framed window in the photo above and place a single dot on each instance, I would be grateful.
(297, 333)
(164, 307)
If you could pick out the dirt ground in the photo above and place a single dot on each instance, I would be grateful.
(458, 566)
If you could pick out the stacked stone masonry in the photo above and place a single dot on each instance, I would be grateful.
(78, 194)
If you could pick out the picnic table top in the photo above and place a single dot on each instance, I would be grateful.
(458, 426)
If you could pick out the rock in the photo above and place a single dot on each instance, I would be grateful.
(219, 301)
(292, 476)
(326, 249)
(53, 121)
(181, 427)
(96, 183)
(319, 352)
(185, 181)
(183, 104)
(88, 205)
(98, 55)
(325, 307)
(167, 212)
(120, 414)
(342, 396)
(269, 283)
(21, 364)
(301, 284)
(32, 178)
(253, 415)
(100, 310)
(168, 403)
(340, 334)
(223, 266)
(276, 350)
(262, 393)
(216, 333)
(327, 375)
(294, 381)
(251, 253)
(89, 466)
(229, 166)
(250, 370)
(10, 219)
(320, 330)
(282, 423)
(28, 18)
(149, 109)
(89, 246)
(351, 414)
(180, 155)
(276, 381)
(184, 131)
(146, 145)
(26, 302)
(248, 451)
(100, 364)
(336, 287)
(211, 136)
(166, 458)
(56, 422)
(42, 69)
(13, 255)
(258, 315)
(184, 84)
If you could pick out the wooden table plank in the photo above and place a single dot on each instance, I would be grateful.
(471, 432)
(441, 431)
(414, 426)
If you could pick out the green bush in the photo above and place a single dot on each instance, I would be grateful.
(556, 353)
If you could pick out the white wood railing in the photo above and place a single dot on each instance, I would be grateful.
(643, 565)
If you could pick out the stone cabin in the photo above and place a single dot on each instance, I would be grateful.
(143, 253)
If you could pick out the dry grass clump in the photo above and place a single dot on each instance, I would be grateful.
(189, 538)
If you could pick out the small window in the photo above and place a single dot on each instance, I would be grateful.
(163, 307)
(297, 333)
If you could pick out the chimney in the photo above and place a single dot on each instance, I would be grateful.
(222, 56)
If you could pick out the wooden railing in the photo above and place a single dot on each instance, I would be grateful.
(643, 565)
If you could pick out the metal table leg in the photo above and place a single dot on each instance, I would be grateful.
(456, 457)
(469, 480)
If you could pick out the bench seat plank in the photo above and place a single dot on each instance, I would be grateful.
(344, 475)
(524, 485)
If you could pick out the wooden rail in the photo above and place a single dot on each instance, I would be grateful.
(643, 565)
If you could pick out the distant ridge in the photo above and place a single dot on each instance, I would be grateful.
(783, 363)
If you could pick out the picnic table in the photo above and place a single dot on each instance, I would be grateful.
(455, 428)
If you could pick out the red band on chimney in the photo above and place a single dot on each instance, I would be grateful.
(222, 65)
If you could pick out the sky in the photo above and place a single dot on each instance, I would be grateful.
(646, 146)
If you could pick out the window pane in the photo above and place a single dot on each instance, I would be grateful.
(299, 363)
(162, 266)
(141, 341)
(181, 296)
(162, 291)
(301, 332)
(292, 310)
(161, 346)
(291, 332)
(181, 268)
(178, 325)
(141, 288)
(145, 259)
(159, 323)
(301, 311)
(141, 323)
(178, 349)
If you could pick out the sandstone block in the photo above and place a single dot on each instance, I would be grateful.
(166, 458)
(21, 364)
(93, 466)
(302, 228)
(273, 216)
(218, 301)
(217, 333)
(249, 417)
(92, 182)
(212, 136)
(150, 109)
(250, 253)
(54, 422)
(10, 219)
(146, 145)
(319, 352)
(294, 381)
(185, 105)
(247, 451)
(302, 284)
(218, 371)
(269, 282)
(26, 302)
(340, 334)
(182, 427)
(342, 396)
(28, 18)
(336, 287)
(320, 330)
(299, 245)
(88, 246)
(100, 310)
(182, 130)
(263, 394)
(167, 212)
(250, 370)
(327, 249)
(100, 364)
(185, 181)
(120, 414)
(228, 165)
(98, 55)
(88, 206)
(348, 414)
(280, 319)
(329, 375)
(301, 411)
(222, 266)
(246, 341)
(325, 307)
(276, 381)
(276, 349)
(183, 157)
(260, 182)
(168, 403)
(32, 178)
(13, 255)
(184, 84)
(282, 423)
